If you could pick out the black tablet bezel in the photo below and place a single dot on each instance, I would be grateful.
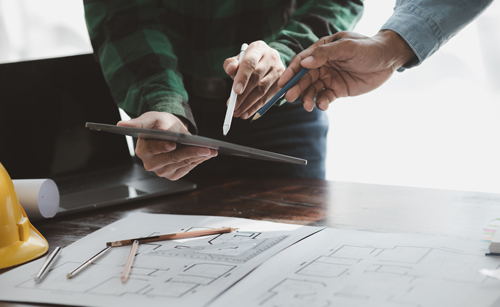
(195, 140)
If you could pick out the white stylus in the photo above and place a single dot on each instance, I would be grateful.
(232, 99)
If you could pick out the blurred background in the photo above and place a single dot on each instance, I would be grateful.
(435, 126)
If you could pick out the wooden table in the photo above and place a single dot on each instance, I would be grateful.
(302, 201)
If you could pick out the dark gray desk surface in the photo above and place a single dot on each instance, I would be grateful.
(341, 205)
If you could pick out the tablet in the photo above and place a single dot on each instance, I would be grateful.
(194, 140)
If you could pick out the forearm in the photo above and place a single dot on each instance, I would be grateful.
(137, 58)
(427, 24)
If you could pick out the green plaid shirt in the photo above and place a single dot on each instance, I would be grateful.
(145, 47)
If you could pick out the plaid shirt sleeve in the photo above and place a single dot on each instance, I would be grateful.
(137, 57)
(312, 20)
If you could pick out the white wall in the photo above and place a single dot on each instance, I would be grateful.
(436, 125)
(31, 29)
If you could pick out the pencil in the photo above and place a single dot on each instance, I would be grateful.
(280, 94)
(130, 261)
(173, 236)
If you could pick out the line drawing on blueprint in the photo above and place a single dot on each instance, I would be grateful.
(204, 261)
(187, 272)
(350, 275)
(238, 248)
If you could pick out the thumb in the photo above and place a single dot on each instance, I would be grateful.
(144, 121)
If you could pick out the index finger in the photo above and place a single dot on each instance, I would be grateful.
(231, 66)
(299, 88)
(295, 66)
(248, 64)
(293, 69)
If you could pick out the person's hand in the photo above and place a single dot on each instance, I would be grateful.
(255, 78)
(163, 157)
(345, 64)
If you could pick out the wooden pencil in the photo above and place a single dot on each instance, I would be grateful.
(130, 261)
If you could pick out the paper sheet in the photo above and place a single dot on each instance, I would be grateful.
(39, 197)
(188, 272)
(491, 273)
(358, 269)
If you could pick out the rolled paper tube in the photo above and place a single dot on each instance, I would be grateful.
(39, 197)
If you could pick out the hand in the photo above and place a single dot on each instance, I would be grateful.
(255, 78)
(345, 64)
(163, 157)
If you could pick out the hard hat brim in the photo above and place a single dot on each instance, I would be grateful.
(24, 251)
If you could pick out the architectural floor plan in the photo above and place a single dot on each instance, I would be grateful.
(262, 264)
(349, 268)
(187, 272)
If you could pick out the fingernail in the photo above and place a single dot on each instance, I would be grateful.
(323, 105)
(308, 60)
(239, 88)
(244, 116)
(169, 146)
(204, 152)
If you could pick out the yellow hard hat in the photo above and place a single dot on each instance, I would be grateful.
(19, 240)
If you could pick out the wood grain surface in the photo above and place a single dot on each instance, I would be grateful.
(301, 201)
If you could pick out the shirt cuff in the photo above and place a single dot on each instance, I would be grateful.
(418, 29)
(175, 104)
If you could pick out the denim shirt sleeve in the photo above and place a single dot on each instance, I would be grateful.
(427, 24)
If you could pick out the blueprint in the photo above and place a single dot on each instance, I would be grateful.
(187, 272)
(358, 269)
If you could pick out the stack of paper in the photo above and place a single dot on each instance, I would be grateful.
(495, 244)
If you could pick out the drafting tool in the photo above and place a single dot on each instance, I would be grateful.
(49, 261)
(88, 262)
(231, 252)
(173, 236)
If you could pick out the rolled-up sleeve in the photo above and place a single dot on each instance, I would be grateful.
(428, 24)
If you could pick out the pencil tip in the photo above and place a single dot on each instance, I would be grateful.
(233, 229)
(256, 116)
(69, 276)
(225, 129)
